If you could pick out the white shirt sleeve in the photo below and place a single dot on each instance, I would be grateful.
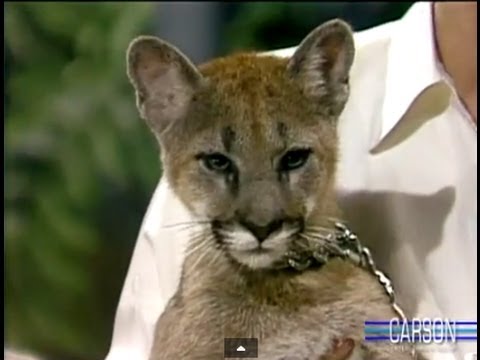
(152, 277)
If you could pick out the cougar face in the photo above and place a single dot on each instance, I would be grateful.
(248, 142)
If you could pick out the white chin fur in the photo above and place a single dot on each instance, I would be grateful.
(255, 261)
(245, 248)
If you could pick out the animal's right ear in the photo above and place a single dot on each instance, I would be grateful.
(322, 63)
(164, 80)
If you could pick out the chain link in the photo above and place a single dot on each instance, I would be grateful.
(364, 258)
(348, 246)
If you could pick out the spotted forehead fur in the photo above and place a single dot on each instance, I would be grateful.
(250, 102)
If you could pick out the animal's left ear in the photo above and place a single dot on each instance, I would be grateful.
(322, 63)
(165, 81)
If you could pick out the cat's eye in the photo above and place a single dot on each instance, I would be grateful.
(217, 162)
(294, 159)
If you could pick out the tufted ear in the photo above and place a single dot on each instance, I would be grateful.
(322, 63)
(164, 79)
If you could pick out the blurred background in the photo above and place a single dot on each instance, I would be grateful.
(80, 166)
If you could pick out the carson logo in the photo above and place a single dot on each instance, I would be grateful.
(421, 330)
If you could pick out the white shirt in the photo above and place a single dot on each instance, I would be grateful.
(407, 182)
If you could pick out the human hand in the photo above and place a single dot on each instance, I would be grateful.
(342, 350)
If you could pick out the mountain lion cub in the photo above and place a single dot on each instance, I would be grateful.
(249, 145)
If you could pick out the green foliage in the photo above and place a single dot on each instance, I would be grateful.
(276, 25)
(79, 170)
(268, 26)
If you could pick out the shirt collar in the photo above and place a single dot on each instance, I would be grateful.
(413, 79)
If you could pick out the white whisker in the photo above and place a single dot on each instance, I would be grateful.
(319, 228)
(197, 247)
(214, 258)
(201, 256)
(334, 219)
(321, 237)
(187, 223)
(326, 243)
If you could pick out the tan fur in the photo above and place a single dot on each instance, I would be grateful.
(254, 109)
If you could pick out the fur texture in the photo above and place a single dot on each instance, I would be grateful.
(249, 144)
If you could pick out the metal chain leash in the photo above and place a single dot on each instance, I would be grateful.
(348, 246)
(361, 256)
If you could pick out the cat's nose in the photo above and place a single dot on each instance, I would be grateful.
(261, 232)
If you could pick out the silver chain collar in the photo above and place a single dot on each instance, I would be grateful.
(347, 246)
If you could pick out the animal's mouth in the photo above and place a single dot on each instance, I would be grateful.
(255, 251)
(259, 250)
(258, 258)
(246, 249)
(286, 244)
